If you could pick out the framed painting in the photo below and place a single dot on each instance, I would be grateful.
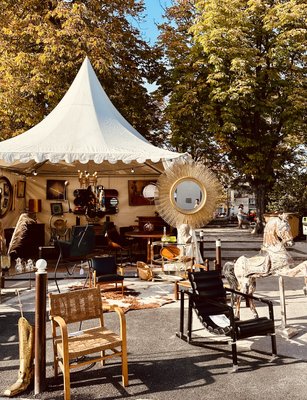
(56, 208)
(21, 189)
(135, 192)
(55, 189)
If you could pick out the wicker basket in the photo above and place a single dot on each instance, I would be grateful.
(144, 271)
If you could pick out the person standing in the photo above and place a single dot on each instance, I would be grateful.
(242, 216)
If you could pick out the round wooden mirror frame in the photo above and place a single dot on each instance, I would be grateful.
(6, 196)
(183, 171)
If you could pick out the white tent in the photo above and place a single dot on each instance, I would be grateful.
(84, 131)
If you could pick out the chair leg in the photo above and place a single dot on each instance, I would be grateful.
(124, 357)
(273, 341)
(234, 355)
(190, 320)
(181, 328)
(66, 378)
(55, 362)
(103, 361)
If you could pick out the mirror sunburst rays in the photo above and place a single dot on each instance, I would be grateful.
(209, 192)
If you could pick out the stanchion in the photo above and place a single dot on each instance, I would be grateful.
(40, 326)
(218, 255)
(201, 243)
(283, 329)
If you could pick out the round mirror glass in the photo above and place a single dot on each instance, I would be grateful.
(6, 196)
(113, 201)
(187, 195)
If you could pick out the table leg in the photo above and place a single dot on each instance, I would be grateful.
(149, 254)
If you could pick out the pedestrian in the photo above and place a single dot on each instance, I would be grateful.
(242, 217)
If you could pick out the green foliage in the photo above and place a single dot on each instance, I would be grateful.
(289, 192)
(256, 52)
(42, 46)
(183, 88)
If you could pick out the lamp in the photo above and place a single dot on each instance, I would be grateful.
(86, 179)
(35, 205)
(149, 191)
(66, 183)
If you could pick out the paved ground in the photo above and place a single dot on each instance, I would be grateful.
(162, 367)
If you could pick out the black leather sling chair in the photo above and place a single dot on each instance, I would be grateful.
(208, 297)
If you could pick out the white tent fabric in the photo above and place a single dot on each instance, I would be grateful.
(84, 127)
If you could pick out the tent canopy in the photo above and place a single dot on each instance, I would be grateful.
(84, 131)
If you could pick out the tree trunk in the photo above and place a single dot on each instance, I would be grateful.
(260, 194)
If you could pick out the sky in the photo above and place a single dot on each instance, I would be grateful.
(154, 12)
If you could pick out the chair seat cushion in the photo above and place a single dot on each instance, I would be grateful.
(110, 278)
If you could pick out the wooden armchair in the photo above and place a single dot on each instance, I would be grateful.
(79, 306)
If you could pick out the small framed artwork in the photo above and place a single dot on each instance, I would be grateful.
(55, 189)
(56, 208)
(21, 189)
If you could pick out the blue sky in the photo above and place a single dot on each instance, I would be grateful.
(154, 12)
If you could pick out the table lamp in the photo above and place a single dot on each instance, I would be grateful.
(35, 206)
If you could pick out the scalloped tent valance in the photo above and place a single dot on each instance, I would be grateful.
(84, 130)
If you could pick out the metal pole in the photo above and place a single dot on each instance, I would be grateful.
(40, 326)
(284, 329)
(201, 243)
(218, 255)
(282, 302)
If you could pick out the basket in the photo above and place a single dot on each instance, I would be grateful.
(170, 252)
(144, 271)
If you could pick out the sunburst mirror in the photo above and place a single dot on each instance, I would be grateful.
(187, 193)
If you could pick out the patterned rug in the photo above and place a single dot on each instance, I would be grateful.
(137, 296)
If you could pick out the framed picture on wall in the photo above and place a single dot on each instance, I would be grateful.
(135, 192)
(21, 189)
(56, 208)
(55, 189)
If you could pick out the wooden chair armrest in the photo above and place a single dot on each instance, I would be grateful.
(62, 325)
(122, 319)
(64, 333)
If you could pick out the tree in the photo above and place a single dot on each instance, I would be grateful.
(42, 46)
(289, 192)
(256, 51)
(183, 89)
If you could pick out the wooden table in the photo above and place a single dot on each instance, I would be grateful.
(149, 236)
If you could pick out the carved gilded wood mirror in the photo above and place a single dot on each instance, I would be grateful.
(187, 193)
(6, 196)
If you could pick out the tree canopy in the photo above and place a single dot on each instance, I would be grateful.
(183, 86)
(256, 52)
(42, 46)
(251, 57)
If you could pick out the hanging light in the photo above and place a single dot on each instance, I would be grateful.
(149, 191)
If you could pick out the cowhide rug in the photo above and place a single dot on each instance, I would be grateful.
(136, 296)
